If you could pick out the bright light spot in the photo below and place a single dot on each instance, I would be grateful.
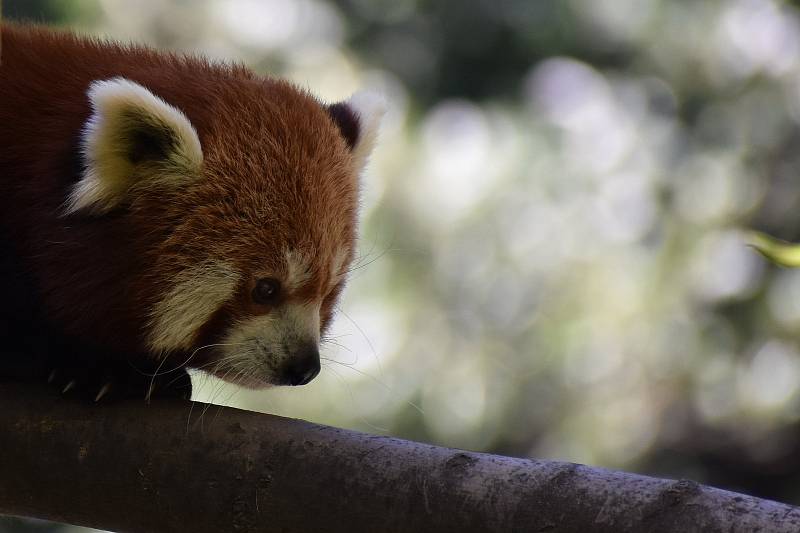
(626, 208)
(577, 98)
(706, 190)
(271, 24)
(724, 267)
(457, 171)
(332, 74)
(569, 93)
(756, 35)
(771, 379)
(258, 23)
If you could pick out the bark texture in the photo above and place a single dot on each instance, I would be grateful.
(132, 467)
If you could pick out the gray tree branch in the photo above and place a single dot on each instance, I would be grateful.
(133, 467)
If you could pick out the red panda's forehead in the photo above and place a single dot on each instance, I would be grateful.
(274, 147)
(277, 179)
(249, 117)
(267, 204)
(260, 230)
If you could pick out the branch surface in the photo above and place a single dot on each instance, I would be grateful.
(138, 468)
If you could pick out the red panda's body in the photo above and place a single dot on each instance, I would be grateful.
(146, 197)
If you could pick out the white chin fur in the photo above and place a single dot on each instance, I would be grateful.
(255, 349)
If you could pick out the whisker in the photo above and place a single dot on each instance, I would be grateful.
(182, 365)
(379, 382)
(344, 363)
(189, 417)
(354, 355)
(226, 401)
(219, 389)
(359, 266)
(326, 338)
(361, 257)
(153, 379)
(250, 369)
(225, 359)
(364, 335)
(337, 344)
(353, 401)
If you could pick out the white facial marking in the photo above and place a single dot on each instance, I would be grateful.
(198, 292)
(369, 107)
(118, 105)
(298, 270)
(256, 348)
(302, 321)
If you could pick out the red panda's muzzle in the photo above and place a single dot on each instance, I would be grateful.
(303, 366)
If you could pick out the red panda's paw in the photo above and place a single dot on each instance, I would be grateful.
(75, 381)
(119, 381)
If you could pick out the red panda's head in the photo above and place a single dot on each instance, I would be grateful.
(247, 207)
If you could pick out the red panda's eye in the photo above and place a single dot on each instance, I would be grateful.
(266, 291)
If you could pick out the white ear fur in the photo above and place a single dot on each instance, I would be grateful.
(121, 111)
(369, 108)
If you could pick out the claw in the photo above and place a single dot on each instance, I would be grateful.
(103, 391)
(69, 386)
(51, 377)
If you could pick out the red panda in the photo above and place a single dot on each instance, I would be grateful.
(159, 211)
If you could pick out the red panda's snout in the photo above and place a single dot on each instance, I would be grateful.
(253, 325)
(279, 348)
(257, 324)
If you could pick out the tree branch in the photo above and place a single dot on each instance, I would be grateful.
(161, 468)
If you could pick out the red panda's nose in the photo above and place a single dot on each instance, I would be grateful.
(304, 365)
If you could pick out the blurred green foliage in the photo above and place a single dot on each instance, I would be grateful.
(552, 261)
(51, 11)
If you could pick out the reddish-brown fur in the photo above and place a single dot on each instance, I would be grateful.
(94, 278)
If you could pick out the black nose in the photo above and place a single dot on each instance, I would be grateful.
(304, 366)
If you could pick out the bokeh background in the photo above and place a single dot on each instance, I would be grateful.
(552, 260)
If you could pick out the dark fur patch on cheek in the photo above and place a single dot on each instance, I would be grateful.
(347, 122)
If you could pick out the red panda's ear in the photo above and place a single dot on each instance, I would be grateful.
(359, 120)
(132, 140)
